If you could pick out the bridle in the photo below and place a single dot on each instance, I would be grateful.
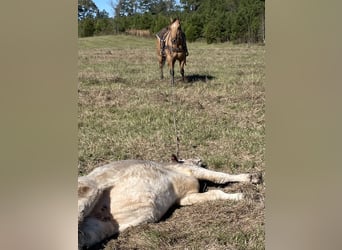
(175, 41)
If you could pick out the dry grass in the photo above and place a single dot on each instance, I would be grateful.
(126, 111)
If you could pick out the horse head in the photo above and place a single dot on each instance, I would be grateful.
(174, 27)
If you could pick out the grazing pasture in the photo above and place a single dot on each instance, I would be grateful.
(126, 111)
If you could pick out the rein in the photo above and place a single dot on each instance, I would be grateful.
(174, 48)
(174, 113)
(174, 45)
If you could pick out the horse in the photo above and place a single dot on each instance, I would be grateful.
(175, 49)
(122, 194)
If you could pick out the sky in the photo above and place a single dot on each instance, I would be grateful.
(105, 5)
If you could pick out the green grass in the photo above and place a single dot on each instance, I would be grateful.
(126, 111)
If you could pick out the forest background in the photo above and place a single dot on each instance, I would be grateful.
(237, 21)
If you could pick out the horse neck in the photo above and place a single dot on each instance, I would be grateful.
(178, 38)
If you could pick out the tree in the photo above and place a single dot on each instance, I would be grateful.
(86, 27)
(91, 21)
(87, 9)
(103, 24)
(191, 5)
(194, 27)
(160, 22)
(248, 19)
(215, 21)
(127, 8)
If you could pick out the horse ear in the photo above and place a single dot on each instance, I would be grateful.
(171, 20)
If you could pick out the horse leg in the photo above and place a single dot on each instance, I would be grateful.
(172, 72)
(181, 66)
(161, 65)
(161, 60)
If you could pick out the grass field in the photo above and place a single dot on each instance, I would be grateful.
(126, 112)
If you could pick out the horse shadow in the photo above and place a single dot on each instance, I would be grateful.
(198, 78)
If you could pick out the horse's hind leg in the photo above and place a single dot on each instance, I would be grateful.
(161, 66)
(211, 195)
(161, 58)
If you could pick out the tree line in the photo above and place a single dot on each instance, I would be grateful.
(238, 21)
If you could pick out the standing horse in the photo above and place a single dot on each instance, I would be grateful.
(175, 49)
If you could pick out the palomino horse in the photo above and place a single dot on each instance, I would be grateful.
(175, 49)
(129, 193)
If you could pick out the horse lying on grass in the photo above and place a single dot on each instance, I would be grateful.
(128, 193)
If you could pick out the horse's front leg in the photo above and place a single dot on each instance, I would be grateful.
(181, 66)
(172, 72)
(161, 71)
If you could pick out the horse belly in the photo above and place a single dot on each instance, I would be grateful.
(180, 56)
(143, 201)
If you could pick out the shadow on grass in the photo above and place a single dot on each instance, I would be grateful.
(169, 212)
(102, 244)
(198, 78)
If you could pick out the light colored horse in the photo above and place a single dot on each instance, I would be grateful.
(127, 193)
(175, 49)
